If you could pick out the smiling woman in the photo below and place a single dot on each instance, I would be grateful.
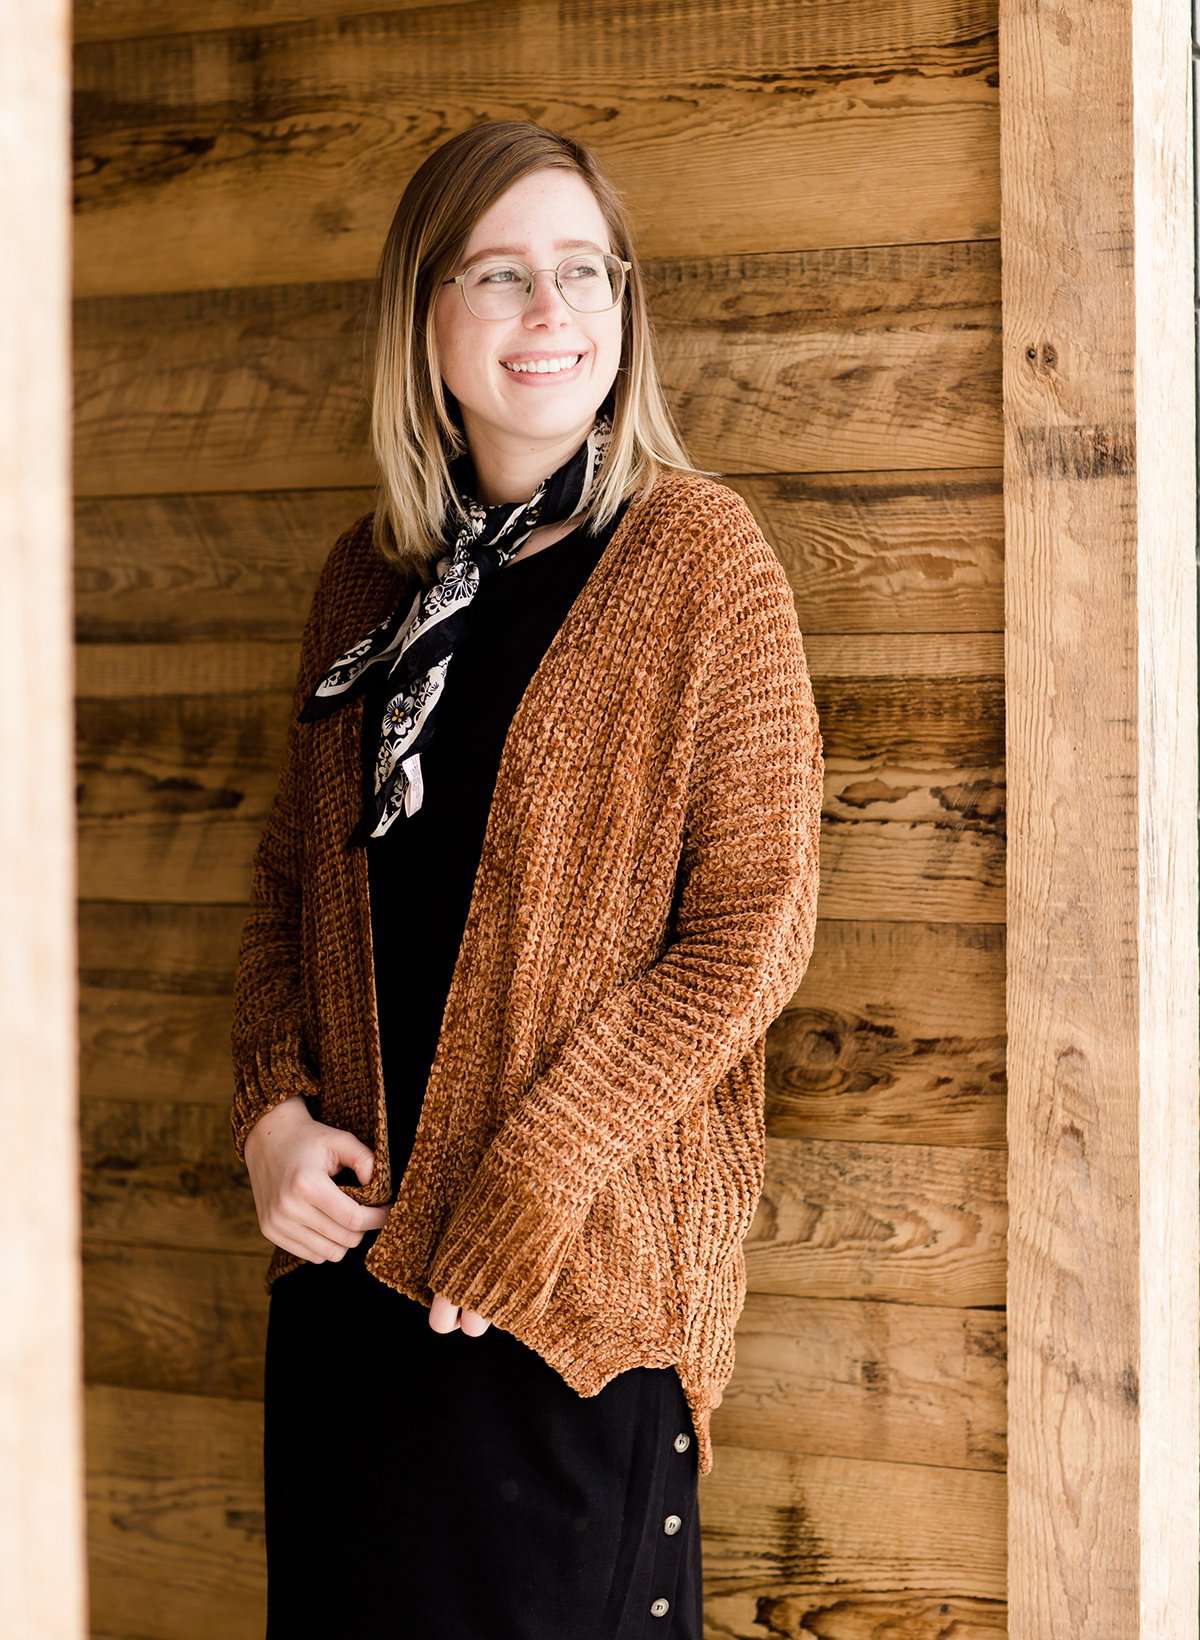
(540, 871)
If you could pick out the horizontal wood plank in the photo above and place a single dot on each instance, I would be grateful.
(901, 1383)
(175, 1515)
(854, 1378)
(179, 749)
(789, 362)
(229, 159)
(166, 1175)
(813, 1544)
(865, 553)
(211, 567)
(907, 1223)
(131, 19)
(780, 1524)
(896, 1033)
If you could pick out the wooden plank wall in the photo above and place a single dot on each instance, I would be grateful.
(816, 196)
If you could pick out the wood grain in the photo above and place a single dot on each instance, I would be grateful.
(815, 197)
(821, 360)
(1103, 914)
(179, 749)
(127, 19)
(174, 1486)
(231, 159)
(869, 552)
(43, 1573)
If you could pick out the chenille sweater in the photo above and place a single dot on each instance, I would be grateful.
(591, 1143)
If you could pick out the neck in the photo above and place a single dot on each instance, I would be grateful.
(509, 467)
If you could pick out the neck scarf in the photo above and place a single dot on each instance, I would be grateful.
(419, 639)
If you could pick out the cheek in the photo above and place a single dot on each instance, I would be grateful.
(454, 346)
(608, 345)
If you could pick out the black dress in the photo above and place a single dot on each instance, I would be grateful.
(436, 1485)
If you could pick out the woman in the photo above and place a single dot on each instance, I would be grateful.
(540, 871)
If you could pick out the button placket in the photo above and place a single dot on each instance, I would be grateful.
(666, 1562)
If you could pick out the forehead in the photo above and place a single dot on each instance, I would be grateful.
(562, 247)
(546, 211)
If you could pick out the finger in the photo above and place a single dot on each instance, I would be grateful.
(346, 1218)
(305, 1221)
(473, 1324)
(443, 1316)
(306, 1243)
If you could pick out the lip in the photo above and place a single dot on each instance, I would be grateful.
(544, 378)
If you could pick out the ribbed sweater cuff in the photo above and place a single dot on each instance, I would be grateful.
(504, 1245)
(264, 1078)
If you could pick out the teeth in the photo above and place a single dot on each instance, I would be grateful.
(546, 367)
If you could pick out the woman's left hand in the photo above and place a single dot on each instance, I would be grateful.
(444, 1317)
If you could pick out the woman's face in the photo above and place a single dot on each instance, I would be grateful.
(502, 411)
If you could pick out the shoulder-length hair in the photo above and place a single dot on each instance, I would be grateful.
(415, 432)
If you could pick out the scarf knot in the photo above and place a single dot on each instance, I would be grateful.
(417, 640)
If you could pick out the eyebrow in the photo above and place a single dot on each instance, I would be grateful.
(523, 250)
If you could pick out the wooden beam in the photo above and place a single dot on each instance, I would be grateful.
(1102, 775)
(43, 1588)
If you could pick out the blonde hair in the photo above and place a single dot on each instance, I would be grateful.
(413, 432)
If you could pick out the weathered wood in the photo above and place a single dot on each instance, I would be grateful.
(884, 357)
(855, 1378)
(175, 1514)
(1100, 523)
(846, 1377)
(160, 569)
(790, 1526)
(43, 1589)
(795, 1540)
(865, 552)
(896, 1033)
(910, 1223)
(232, 159)
(179, 748)
(127, 19)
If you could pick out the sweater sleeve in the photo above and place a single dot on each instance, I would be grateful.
(270, 1059)
(749, 878)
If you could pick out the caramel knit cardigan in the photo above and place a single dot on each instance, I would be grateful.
(591, 1144)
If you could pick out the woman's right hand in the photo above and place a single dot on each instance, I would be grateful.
(291, 1158)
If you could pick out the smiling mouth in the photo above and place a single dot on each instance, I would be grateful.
(561, 365)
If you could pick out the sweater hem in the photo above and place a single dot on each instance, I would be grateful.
(586, 1348)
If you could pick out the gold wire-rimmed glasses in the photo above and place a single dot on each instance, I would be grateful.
(588, 281)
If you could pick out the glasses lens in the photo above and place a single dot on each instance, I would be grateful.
(590, 282)
(496, 290)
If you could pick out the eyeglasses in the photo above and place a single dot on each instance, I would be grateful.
(588, 281)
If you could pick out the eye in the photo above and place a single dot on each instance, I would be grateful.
(581, 269)
(496, 273)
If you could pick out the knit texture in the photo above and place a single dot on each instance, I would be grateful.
(591, 1144)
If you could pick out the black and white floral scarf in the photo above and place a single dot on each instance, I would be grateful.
(419, 638)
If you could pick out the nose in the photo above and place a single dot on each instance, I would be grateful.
(547, 299)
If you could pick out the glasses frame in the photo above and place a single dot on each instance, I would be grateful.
(460, 280)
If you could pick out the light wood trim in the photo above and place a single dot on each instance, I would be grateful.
(1102, 890)
(43, 1590)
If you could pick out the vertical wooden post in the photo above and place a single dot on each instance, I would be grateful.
(1102, 816)
(42, 1550)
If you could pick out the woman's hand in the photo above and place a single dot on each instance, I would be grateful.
(291, 1158)
(443, 1317)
